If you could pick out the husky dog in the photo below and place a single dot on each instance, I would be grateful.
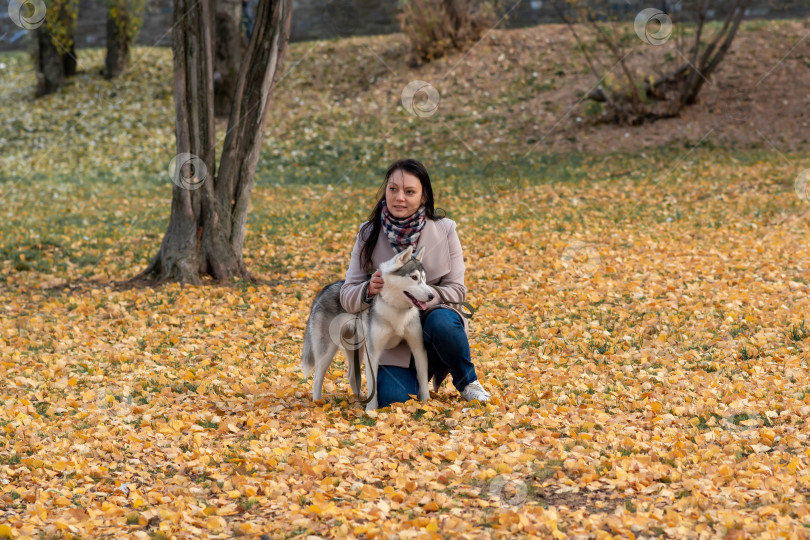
(393, 316)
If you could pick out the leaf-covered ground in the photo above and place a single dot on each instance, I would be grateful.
(642, 326)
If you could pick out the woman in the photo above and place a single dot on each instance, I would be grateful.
(404, 216)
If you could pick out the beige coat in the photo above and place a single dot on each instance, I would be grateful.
(444, 268)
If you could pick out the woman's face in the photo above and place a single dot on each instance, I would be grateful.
(403, 194)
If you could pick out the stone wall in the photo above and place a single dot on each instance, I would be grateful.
(319, 19)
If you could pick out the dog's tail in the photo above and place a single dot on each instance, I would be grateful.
(308, 355)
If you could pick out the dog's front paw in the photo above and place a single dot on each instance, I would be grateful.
(424, 395)
(371, 405)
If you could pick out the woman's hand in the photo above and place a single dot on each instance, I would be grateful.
(375, 285)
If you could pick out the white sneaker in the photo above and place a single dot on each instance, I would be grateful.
(474, 390)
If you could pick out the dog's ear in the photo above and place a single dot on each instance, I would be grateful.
(403, 257)
(419, 253)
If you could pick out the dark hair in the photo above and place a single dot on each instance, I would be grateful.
(371, 230)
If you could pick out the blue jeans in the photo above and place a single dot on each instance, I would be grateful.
(448, 351)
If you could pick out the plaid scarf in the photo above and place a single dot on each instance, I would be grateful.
(402, 233)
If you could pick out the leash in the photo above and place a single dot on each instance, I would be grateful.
(466, 314)
(356, 370)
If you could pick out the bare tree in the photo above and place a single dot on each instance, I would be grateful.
(646, 97)
(208, 220)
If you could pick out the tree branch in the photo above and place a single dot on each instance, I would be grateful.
(617, 53)
(579, 41)
(709, 63)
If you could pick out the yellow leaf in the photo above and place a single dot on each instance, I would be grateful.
(793, 465)
(369, 492)
(767, 435)
(215, 523)
(33, 463)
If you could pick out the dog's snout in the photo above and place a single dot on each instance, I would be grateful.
(430, 297)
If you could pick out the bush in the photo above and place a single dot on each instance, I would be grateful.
(435, 27)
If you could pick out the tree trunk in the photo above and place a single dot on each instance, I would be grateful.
(709, 63)
(208, 220)
(53, 59)
(227, 53)
(49, 64)
(118, 36)
(69, 61)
